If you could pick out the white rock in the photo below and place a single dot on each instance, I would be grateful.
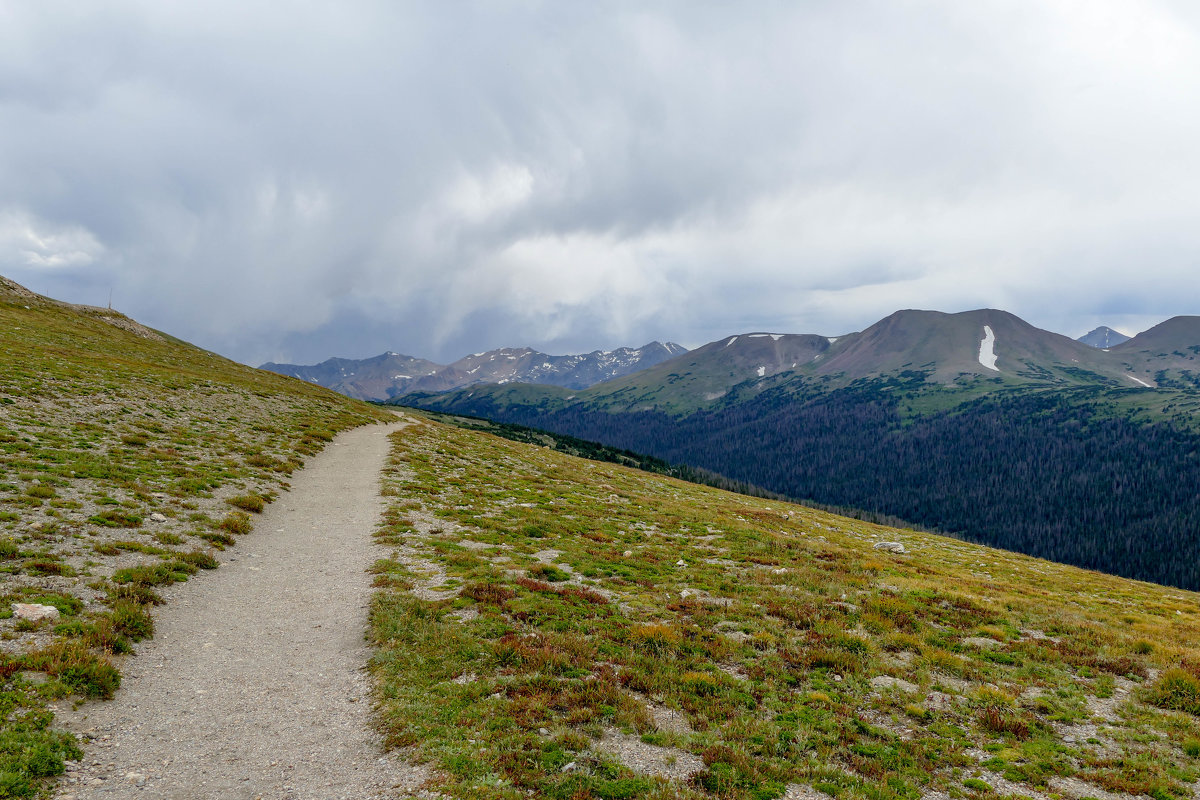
(34, 612)
(891, 547)
(681, 563)
(157, 517)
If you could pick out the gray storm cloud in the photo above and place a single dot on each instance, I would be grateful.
(347, 178)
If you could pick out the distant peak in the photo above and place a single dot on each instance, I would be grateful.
(1103, 337)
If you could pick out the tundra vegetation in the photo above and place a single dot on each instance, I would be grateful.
(127, 458)
(548, 626)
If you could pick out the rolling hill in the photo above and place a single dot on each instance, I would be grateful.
(551, 627)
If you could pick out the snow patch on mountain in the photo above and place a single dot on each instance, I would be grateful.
(987, 349)
(1139, 380)
(762, 372)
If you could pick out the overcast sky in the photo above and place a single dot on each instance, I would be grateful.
(297, 181)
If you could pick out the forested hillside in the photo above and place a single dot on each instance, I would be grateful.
(1069, 476)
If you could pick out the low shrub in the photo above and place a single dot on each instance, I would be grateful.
(198, 558)
(73, 663)
(1176, 690)
(548, 572)
(136, 593)
(216, 538)
(131, 619)
(162, 574)
(248, 502)
(489, 593)
(116, 518)
(238, 522)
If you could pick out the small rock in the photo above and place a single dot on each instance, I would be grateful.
(543, 732)
(34, 612)
(570, 766)
(891, 547)
(136, 778)
(157, 517)
(33, 677)
(626, 554)
(681, 563)
(887, 682)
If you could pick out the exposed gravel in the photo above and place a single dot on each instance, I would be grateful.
(254, 685)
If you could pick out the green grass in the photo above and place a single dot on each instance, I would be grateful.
(580, 597)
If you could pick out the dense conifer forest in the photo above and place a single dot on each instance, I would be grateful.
(1050, 474)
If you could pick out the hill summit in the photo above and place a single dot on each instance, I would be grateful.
(1103, 337)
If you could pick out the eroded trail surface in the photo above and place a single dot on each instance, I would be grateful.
(253, 686)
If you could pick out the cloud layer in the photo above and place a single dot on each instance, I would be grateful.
(440, 178)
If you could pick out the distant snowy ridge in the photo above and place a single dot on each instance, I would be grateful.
(393, 374)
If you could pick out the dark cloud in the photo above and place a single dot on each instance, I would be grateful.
(343, 179)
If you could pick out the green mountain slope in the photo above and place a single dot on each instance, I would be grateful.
(551, 627)
(126, 458)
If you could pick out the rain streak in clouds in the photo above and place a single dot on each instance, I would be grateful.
(440, 178)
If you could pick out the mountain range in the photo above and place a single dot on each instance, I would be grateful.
(392, 374)
(976, 423)
(974, 352)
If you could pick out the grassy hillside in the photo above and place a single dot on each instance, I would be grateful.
(126, 458)
(554, 627)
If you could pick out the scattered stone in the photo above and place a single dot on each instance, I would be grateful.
(887, 682)
(570, 766)
(157, 517)
(34, 612)
(648, 759)
(626, 554)
(802, 791)
(890, 547)
(939, 701)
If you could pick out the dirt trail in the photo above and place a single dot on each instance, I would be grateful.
(253, 686)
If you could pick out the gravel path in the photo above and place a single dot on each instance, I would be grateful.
(253, 686)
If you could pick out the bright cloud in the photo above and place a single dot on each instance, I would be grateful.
(447, 178)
